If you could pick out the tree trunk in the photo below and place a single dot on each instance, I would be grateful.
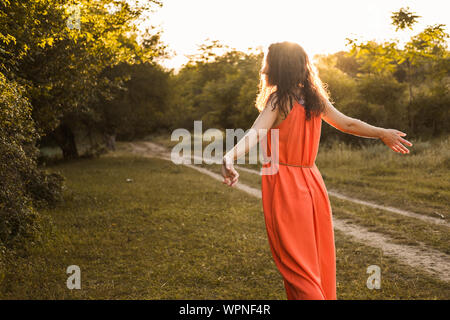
(66, 141)
(110, 141)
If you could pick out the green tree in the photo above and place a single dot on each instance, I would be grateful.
(51, 75)
(422, 65)
(218, 86)
(139, 107)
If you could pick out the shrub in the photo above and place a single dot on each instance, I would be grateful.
(23, 186)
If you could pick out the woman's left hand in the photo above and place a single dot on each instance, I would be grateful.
(229, 174)
(393, 139)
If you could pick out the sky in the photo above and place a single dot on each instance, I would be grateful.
(320, 27)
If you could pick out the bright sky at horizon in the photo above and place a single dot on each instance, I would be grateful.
(319, 26)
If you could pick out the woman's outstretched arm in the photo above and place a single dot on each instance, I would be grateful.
(391, 137)
(259, 129)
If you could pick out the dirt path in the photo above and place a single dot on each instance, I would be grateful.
(429, 260)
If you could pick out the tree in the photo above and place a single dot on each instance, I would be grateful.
(51, 76)
(61, 66)
(421, 64)
(403, 19)
(139, 107)
(218, 86)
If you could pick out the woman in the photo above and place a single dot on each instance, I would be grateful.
(296, 206)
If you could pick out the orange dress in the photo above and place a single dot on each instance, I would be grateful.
(297, 211)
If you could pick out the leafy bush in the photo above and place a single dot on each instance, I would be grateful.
(22, 185)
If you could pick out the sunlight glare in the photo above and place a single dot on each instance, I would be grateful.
(318, 26)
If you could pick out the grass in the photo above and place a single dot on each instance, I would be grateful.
(172, 233)
(153, 238)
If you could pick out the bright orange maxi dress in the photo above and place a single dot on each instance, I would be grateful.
(297, 211)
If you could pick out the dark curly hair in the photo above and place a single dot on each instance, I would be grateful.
(288, 74)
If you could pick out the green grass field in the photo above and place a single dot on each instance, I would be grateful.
(172, 233)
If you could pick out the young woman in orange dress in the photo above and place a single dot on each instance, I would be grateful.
(296, 206)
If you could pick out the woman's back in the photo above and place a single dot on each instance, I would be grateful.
(298, 139)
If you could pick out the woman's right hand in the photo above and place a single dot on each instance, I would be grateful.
(393, 139)
(230, 175)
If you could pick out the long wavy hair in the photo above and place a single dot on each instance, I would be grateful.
(286, 68)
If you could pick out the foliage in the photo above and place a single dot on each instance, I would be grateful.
(218, 89)
(403, 19)
(411, 81)
(22, 185)
(52, 57)
(139, 106)
(61, 66)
